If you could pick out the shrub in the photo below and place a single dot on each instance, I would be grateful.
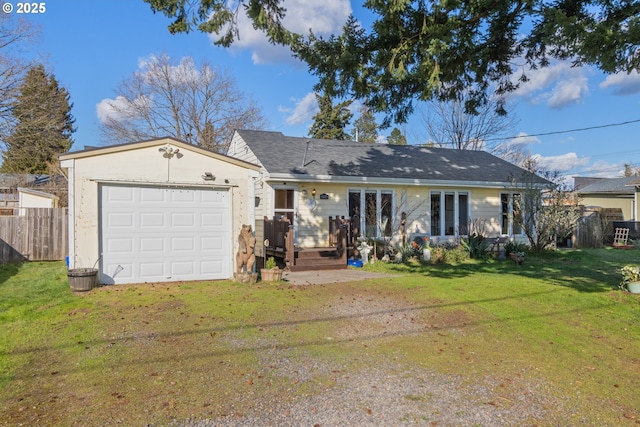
(410, 250)
(448, 253)
(510, 247)
(475, 245)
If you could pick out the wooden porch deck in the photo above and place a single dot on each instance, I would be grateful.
(280, 245)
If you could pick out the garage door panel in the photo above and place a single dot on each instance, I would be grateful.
(211, 220)
(120, 246)
(152, 219)
(152, 195)
(152, 269)
(120, 220)
(152, 244)
(183, 219)
(188, 196)
(183, 268)
(123, 271)
(164, 234)
(182, 244)
(120, 194)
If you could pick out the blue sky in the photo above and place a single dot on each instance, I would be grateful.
(90, 46)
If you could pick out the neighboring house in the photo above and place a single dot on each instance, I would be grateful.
(442, 192)
(608, 193)
(156, 211)
(30, 198)
(10, 183)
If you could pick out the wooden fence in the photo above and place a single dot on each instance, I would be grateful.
(39, 235)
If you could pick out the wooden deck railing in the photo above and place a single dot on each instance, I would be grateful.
(278, 237)
(280, 244)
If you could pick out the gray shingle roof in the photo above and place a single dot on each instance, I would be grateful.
(281, 154)
(612, 185)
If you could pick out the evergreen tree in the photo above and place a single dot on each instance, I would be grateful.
(365, 127)
(420, 50)
(330, 121)
(43, 124)
(396, 137)
(630, 170)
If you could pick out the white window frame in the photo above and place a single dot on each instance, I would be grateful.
(509, 214)
(293, 210)
(442, 212)
(379, 192)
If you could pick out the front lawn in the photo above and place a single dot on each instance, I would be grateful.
(556, 330)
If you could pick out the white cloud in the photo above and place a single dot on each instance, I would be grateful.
(156, 67)
(303, 110)
(324, 18)
(522, 140)
(570, 91)
(563, 163)
(623, 83)
(557, 85)
(116, 109)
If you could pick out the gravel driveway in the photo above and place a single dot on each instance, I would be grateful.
(391, 394)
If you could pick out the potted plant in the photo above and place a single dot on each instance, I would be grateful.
(631, 278)
(271, 272)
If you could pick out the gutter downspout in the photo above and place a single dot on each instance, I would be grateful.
(71, 209)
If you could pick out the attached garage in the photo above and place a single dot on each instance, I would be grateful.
(157, 234)
(142, 216)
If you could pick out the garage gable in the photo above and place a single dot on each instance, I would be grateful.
(157, 211)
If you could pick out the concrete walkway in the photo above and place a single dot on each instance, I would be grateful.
(319, 277)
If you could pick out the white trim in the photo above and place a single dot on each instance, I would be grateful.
(295, 209)
(38, 193)
(442, 214)
(386, 181)
(363, 208)
(71, 209)
(254, 176)
(163, 183)
(510, 219)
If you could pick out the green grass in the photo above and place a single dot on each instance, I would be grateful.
(151, 353)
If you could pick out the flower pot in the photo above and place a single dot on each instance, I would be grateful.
(83, 279)
(633, 287)
(271, 275)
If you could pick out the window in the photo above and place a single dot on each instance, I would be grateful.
(284, 204)
(371, 211)
(435, 214)
(453, 208)
(463, 214)
(511, 213)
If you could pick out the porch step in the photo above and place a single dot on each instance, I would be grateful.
(318, 259)
(315, 253)
(314, 267)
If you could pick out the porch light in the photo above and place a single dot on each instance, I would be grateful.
(208, 176)
(313, 193)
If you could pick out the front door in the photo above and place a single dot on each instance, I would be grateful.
(285, 206)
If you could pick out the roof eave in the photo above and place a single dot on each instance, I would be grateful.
(66, 157)
(333, 179)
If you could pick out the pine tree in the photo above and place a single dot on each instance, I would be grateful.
(365, 127)
(43, 124)
(396, 137)
(330, 121)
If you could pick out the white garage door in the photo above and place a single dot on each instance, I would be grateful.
(160, 234)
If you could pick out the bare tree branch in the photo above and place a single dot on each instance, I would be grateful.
(198, 104)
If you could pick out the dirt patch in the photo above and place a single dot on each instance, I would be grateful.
(157, 357)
